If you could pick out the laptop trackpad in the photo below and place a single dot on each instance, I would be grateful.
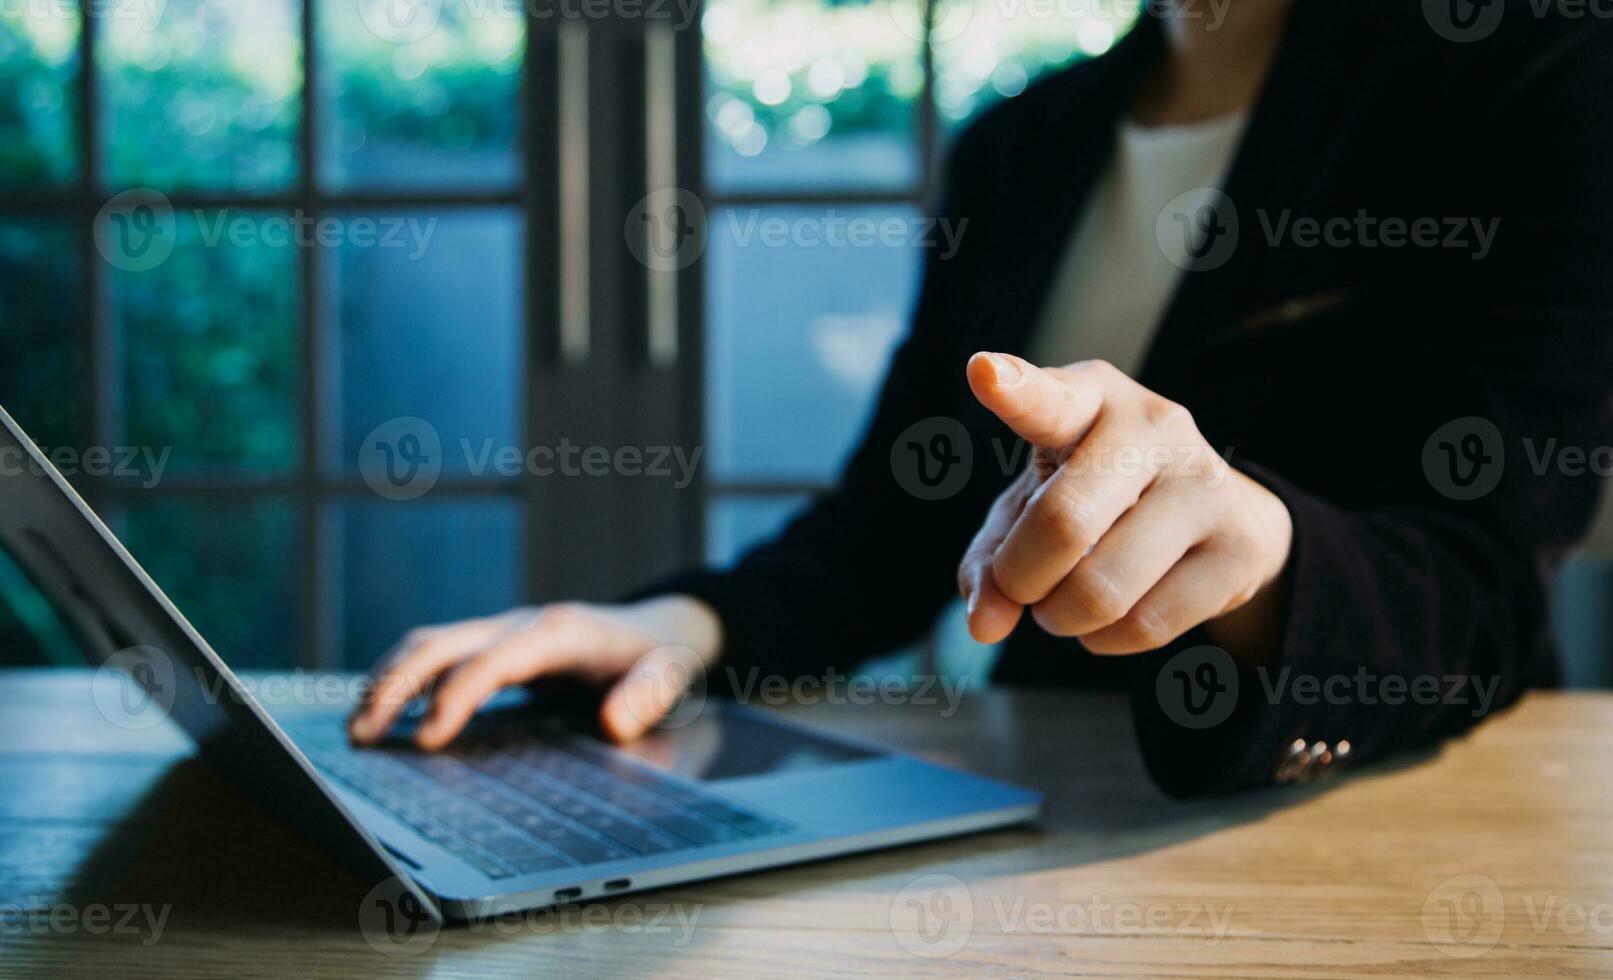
(727, 744)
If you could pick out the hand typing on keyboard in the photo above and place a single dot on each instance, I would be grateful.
(646, 653)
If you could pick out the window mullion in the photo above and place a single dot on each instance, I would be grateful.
(314, 598)
(98, 401)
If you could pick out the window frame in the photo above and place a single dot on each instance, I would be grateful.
(309, 487)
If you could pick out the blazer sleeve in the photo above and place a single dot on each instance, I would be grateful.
(1414, 622)
(868, 566)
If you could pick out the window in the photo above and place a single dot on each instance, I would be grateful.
(241, 321)
(258, 244)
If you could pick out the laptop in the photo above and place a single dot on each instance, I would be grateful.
(530, 808)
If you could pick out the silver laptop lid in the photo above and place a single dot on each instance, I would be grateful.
(133, 634)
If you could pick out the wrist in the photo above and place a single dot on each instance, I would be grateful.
(1252, 630)
(687, 621)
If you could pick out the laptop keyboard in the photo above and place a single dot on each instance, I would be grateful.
(510, 806)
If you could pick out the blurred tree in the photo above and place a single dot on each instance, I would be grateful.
(38, 114)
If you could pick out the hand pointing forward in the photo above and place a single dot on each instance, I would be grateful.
(1130, 529)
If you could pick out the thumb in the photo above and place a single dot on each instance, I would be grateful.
(992, 615)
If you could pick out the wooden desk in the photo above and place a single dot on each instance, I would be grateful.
(1345, 879)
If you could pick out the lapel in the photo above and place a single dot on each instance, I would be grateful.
(1295, 129)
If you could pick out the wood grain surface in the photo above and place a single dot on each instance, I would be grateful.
(121, 856)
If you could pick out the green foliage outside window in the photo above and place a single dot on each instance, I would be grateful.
(207, 98)
(38, 107)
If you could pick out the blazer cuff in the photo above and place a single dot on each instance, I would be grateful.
(1207, 727)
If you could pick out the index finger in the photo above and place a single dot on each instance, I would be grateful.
(1050, 408)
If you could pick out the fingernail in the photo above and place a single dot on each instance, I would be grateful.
(971, 600)
(1007, 370)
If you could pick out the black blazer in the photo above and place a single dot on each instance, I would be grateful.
(1325, 370)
